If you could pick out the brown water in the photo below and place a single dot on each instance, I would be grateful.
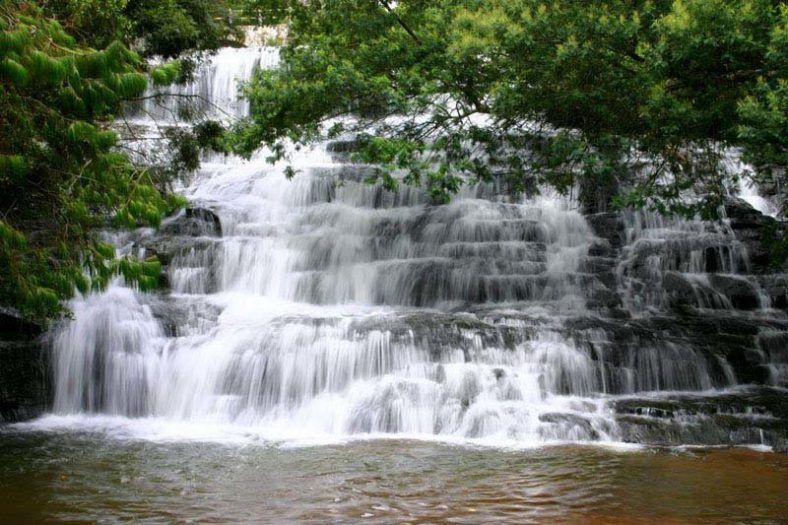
(89, 478)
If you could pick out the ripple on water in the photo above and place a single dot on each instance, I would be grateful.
(53, 476)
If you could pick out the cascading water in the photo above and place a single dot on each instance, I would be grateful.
(214, 91)
(325, 307)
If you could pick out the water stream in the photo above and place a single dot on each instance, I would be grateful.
(324, 307)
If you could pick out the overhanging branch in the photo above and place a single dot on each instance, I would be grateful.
(390, 10)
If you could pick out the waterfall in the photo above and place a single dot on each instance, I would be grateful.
(214, 92)
(325, 306)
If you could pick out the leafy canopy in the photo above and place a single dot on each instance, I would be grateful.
(155, 27)
(641, 94)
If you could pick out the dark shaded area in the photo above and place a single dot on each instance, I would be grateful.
(25, 376)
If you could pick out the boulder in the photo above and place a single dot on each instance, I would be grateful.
(681, 292)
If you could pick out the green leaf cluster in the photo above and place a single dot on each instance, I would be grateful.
(62, 172)
(156, 27)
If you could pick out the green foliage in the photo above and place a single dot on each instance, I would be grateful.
(170, 27)
(95, 22)
(158, 27)
(764, 133)
(601, 94)
(13, 169)
(61, 174)
(186, 145)
(166, 74)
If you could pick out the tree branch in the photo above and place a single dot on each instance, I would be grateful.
(390, 10)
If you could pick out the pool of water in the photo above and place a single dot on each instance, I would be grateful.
(89, 477)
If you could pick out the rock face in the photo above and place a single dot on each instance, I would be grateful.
(715, 290)
(762, 236)
(25, 376)
(750, 415)
(756, 231)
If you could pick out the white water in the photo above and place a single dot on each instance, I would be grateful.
(750, 193)
(214, 93)
(331, 309)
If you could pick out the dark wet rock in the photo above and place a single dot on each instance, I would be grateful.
(751, 401)
(596, 194)
(746, 416)
(168, 249)
(602, 248)
(177, 317)
(604, 299)
(344, 146)
(739, 291)
(774, 345)
(359, 173)
(186, 246)
(680, 291)
(441, 333)
(608, 226)
(715, 291)
(776, 288)
(192, 222)
(753, 228)
(25, 379)
(741, 214)
(14, 326)
(744, 344)
(598, 265)
(715, 258)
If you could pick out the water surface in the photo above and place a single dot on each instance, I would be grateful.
(52, 476)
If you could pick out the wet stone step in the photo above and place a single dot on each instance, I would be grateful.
(746, 416)
(192, 222)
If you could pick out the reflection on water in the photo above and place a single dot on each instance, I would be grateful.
(52, 476)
